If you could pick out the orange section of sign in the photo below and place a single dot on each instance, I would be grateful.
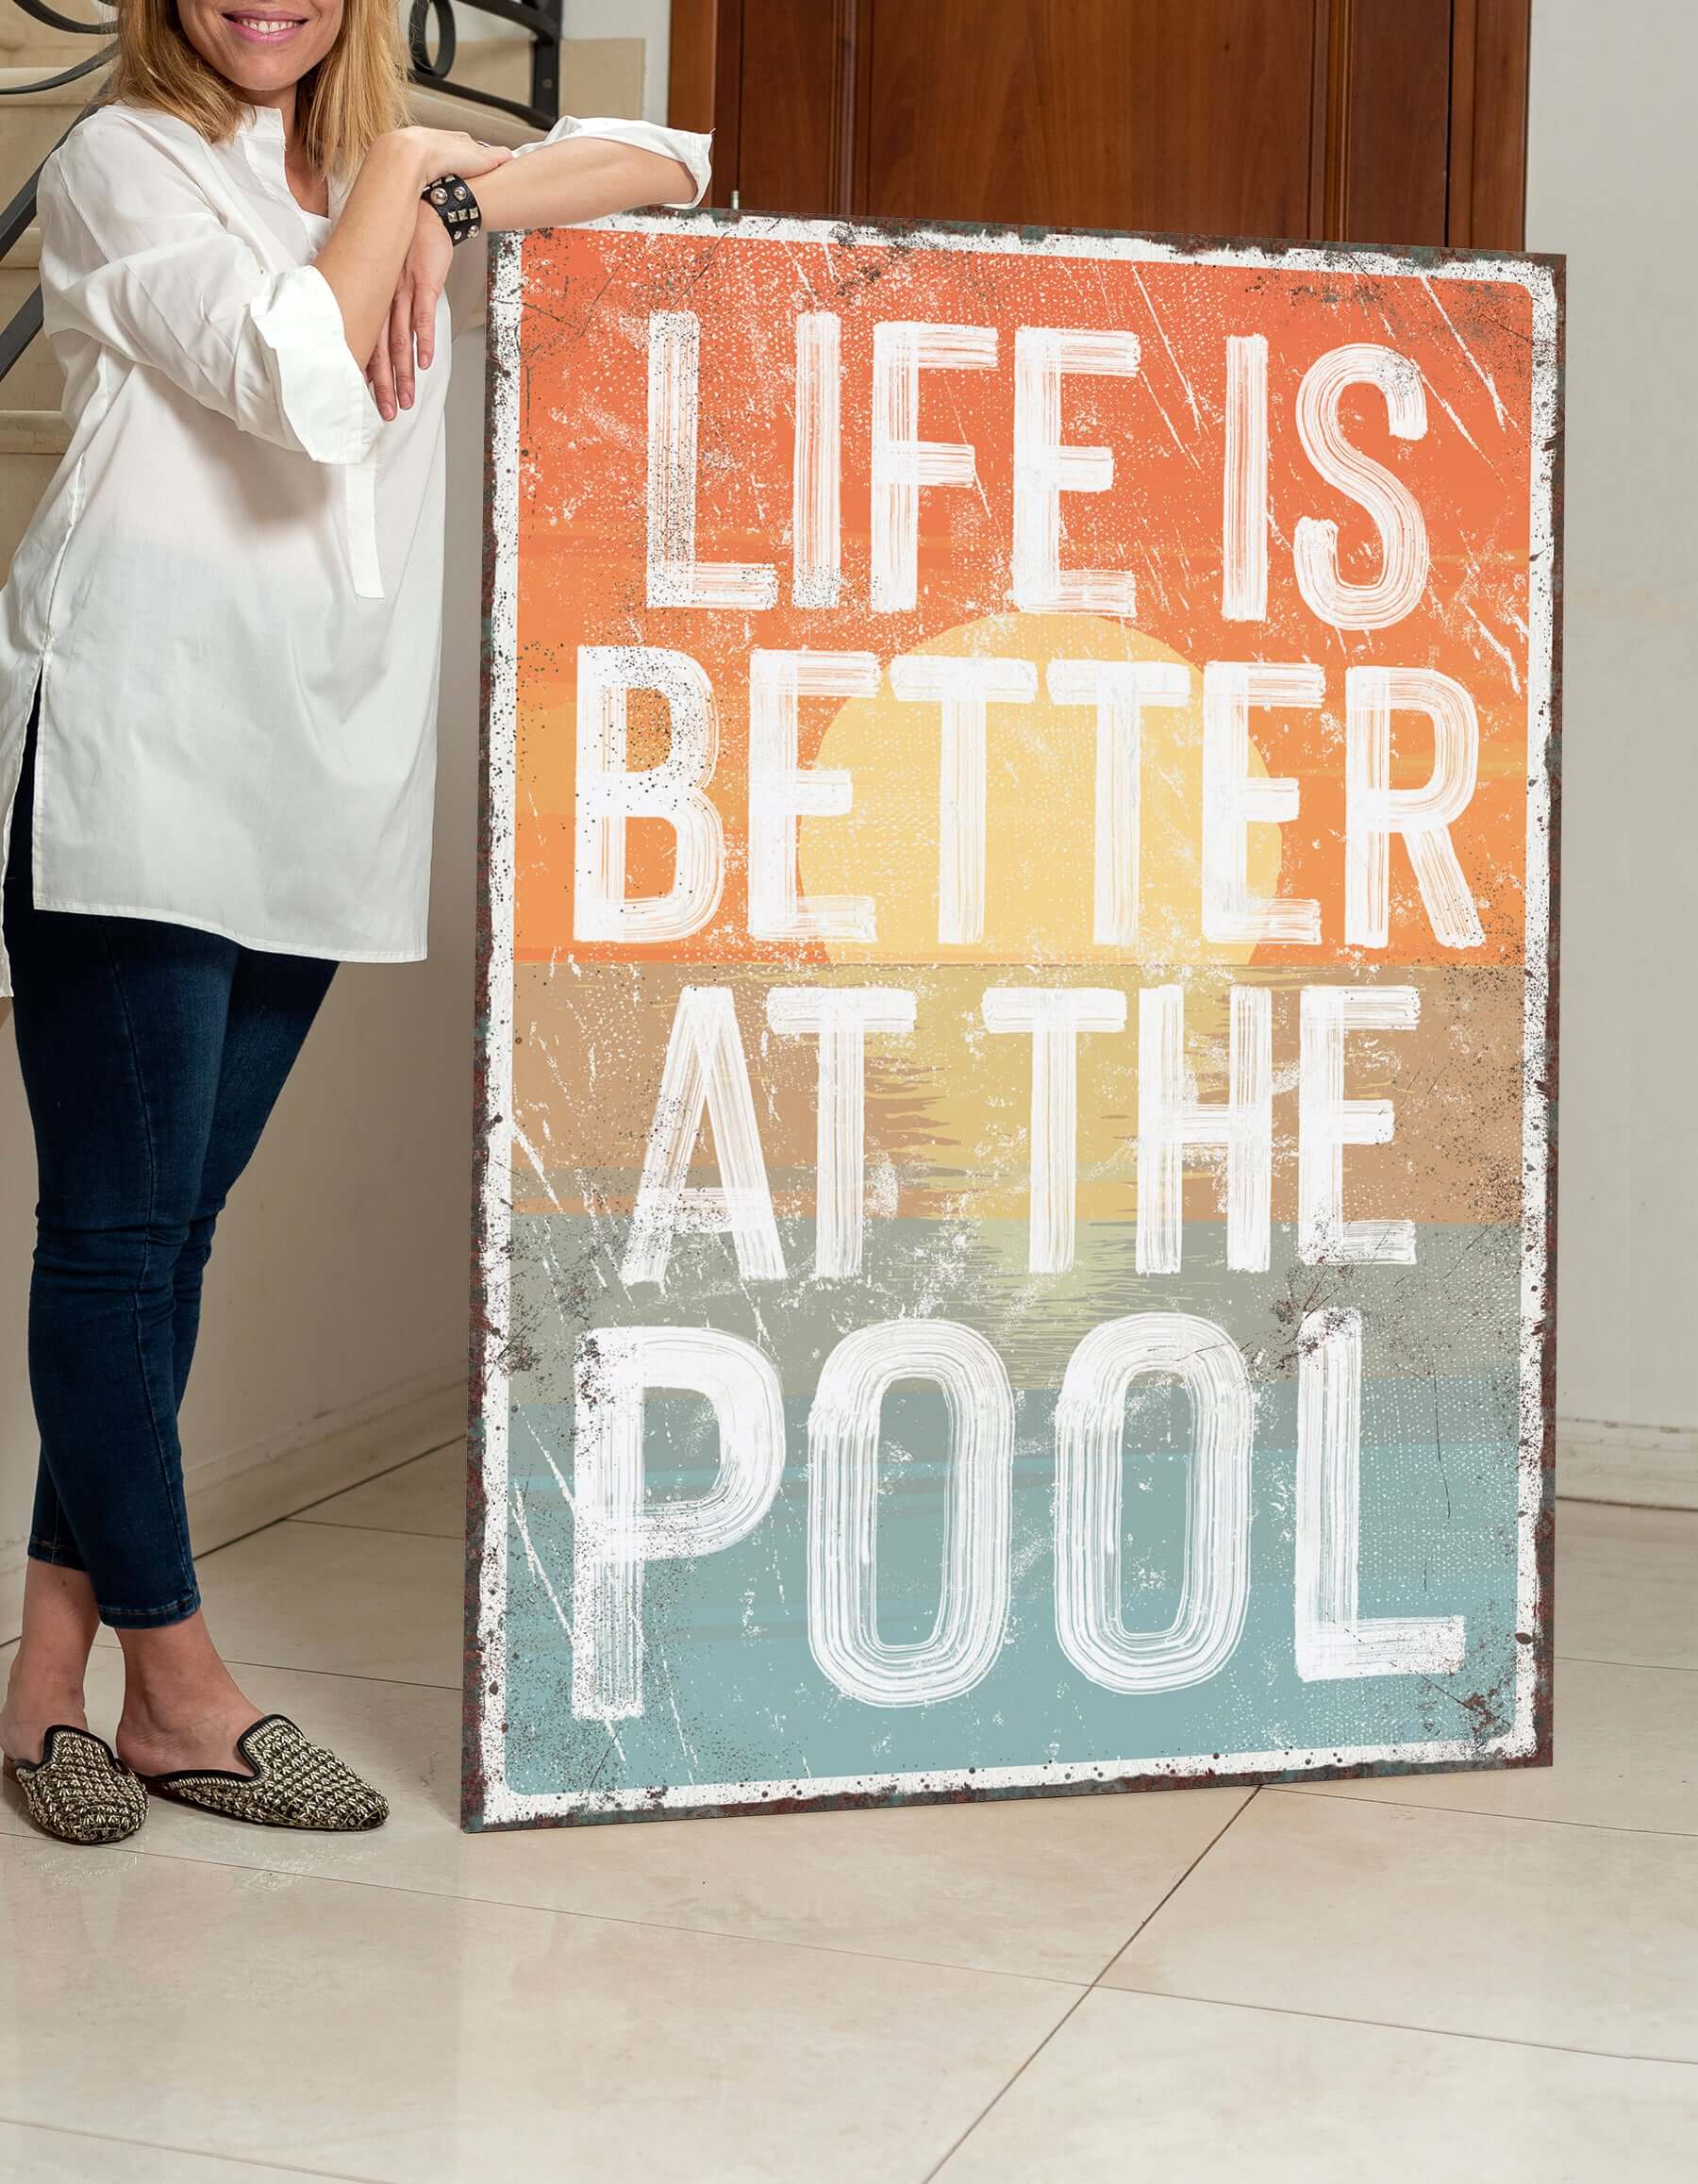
(583, 551)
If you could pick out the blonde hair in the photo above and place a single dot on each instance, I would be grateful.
(354, 93)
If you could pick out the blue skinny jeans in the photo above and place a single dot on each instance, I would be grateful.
(152, 1056)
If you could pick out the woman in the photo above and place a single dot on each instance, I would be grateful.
(218, 661)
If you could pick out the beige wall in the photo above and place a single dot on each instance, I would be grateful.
(614, 62)
(650, 20)
(336, 1325)
(335, 1334)
(1610, 183)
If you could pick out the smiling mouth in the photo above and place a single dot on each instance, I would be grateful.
(272, 27)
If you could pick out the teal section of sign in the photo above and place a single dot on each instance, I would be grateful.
(732, 1692)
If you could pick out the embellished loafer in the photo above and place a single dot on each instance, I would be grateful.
(292, 1784)
(79, 1788)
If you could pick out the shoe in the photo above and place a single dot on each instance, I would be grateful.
(79, 1788)
(292, 1784)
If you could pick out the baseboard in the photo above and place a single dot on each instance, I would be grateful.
(1651, 1466)
(255, 1486)
(238, 1492)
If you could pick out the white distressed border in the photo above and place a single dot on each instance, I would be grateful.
(501, 640)
(503, 1805)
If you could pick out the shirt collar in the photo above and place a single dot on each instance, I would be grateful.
(261, 133)
(263, 141)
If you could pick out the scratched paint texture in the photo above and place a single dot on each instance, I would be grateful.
(735, 1711)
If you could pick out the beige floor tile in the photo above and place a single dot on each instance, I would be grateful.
(1626, 1743)
(1570, 1937)
(1627, 1584)
(325, 1596)
(1215, 2095)
(426, 1495)
(1053, 1886)
(369, 2032)
(31, 2154)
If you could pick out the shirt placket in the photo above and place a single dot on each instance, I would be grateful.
(359, 489)
(360, 507)
(359, 480)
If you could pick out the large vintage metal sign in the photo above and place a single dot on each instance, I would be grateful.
(1015, 1171)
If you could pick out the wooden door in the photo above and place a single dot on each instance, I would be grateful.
(1364, 121)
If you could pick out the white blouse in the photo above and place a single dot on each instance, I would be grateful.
(232, 587)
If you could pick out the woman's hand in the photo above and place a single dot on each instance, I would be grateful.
(408, 332)
(370, 249)
(412, 324)
(443, 151)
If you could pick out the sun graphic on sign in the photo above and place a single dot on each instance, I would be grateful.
(1040, 812)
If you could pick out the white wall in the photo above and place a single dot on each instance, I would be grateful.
(1610, 183)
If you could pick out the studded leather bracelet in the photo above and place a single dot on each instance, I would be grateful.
(452, 198)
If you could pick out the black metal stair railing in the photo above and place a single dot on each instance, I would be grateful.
(25, 322)
(540, 19)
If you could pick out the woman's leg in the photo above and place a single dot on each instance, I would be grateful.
(47, 1525)
(152, 1057)
(46, 1685)
(118, 1030)
(274, 1000)
(181, 1706)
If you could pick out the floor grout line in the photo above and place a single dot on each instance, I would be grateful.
(1399, 2024)
(289, 1516)
(1344, 1796)
(1598, 1660)
(411, 1683)
(1114, 1957)
(388, 1470)
(190, 2153)
(1654, 1667)
(1231, 1822)
(1651, 1509)
(393, 1531)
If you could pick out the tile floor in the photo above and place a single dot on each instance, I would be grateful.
(1479, 1977)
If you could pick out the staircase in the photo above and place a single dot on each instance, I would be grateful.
(33, 435)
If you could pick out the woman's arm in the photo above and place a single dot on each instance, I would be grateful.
(581, 177)
(135, 258)
(368, 246)
(580, 171)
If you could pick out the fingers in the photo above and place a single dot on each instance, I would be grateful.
(423, 322)
(407, 343)
(381, 376)
(400, 344)
(453, 152)
(478, 158)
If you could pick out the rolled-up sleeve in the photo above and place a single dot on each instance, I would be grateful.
(688, 148)
(135, 255)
